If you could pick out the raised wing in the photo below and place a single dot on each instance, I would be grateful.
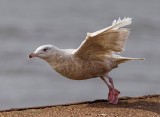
(99, 44)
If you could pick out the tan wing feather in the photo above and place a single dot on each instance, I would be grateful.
(101, 43)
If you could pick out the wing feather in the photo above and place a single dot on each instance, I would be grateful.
(104, 42)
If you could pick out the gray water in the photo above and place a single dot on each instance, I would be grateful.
(27, 24)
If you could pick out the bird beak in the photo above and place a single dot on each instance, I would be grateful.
(33, 55)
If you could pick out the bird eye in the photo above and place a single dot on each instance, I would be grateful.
(45, 49)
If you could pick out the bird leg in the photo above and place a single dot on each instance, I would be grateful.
(113, 93)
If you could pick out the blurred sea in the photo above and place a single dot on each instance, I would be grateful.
(27, 24)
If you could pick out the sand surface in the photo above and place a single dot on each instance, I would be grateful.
(146, 106)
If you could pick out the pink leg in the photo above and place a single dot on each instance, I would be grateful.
(110, 94)
(113, 93)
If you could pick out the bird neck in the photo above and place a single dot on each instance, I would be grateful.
(59, 56)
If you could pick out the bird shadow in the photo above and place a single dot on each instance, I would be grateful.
(135, 104)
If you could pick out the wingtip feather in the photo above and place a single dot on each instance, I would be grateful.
(120, 23)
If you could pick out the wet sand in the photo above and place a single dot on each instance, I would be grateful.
(145, 106)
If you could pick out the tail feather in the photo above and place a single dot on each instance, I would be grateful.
(125, 59)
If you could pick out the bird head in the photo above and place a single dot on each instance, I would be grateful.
(43, 52)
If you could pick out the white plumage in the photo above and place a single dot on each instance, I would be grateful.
(95, 57)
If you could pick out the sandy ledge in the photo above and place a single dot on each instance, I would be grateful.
(145, 106)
